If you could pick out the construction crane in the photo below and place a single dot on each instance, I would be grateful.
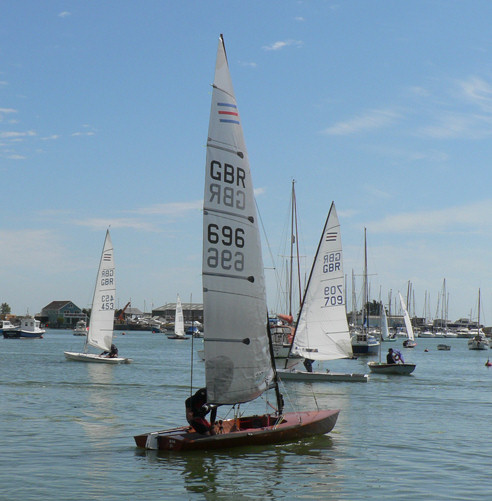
(121, 316)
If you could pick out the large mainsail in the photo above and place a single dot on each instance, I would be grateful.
(179, 319)
(322, 331)
(238, 362)
(100, 332)
(406, 318)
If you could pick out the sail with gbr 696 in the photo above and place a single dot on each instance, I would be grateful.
(238, 363)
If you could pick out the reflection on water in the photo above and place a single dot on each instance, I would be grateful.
(256, 472)
(68, 427)
(97, 418)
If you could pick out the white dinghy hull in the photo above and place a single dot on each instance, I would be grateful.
(92, 357)
(295, 375)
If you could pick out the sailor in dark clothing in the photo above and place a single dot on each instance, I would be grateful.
(308, 363)
(112, 353)
(196, 410)
(389, 357)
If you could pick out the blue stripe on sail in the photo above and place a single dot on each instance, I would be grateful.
(227, 104)
(229, 121)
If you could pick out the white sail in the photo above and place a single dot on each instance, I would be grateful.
(179, 320)
(322, 331)
(406, 318)
(238, 362)
(100, 334)
(384, 323)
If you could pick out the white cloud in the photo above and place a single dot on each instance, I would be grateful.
(459, 125)
(104, 223)
(374, 119)
(248, 65)
(89, 133)
(377, 192)
(174, 209)
(49, 138)
(64, 14)
(285, 43)
(16, 135)
(478, 91)
(472, 218)
(30, 249)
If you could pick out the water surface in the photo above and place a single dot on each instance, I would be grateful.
(67, 428)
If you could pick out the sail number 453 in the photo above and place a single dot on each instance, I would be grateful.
(228, 258)
(107, 302)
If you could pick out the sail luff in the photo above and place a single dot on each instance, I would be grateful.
(238, 365)
(100, 333)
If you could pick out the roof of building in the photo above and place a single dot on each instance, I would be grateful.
(57, 305)
(133, 311)
(186, 306)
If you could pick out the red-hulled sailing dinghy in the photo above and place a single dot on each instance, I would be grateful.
(239, 363)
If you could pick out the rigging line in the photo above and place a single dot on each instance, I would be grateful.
(206, 210)
(230, 293)
(240, 154)
(225, 92)
(227, 275)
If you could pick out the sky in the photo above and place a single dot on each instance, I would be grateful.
(383, 107)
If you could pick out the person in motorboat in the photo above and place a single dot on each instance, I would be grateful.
(196, 410)
(393, 357)
(112, 353)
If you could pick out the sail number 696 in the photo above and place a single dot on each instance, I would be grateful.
(226, 259)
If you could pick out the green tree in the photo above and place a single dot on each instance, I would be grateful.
(5, 309)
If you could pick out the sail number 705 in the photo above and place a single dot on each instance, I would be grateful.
(333, 295)
(228, 258)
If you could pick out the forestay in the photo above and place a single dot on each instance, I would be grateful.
(238, 363)
(101, 324)
(322, 331)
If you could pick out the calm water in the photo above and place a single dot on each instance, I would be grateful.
(66, 429)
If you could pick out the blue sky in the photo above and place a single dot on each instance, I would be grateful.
(384, 107)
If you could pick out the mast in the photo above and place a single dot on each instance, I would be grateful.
(354, 301)
(365, 294)
(478, 329)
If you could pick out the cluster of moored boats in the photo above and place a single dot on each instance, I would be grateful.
(28, 327)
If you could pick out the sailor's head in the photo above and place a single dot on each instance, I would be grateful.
(390, 350)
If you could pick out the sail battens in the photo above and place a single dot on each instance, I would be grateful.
(223, 340)
(234, 299)
(228, 275)
(240, 154)
(220, 212)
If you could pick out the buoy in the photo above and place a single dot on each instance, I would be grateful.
(426, 350)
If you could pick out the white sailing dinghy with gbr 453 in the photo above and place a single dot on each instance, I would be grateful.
(239, 362)
(100, 333)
